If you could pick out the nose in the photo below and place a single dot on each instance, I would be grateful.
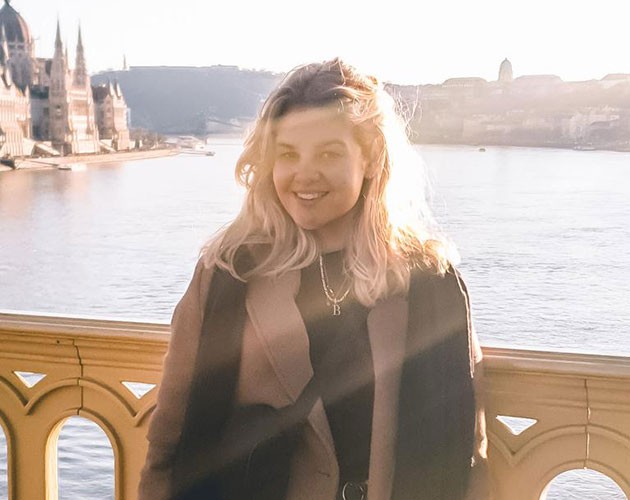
(307, 169)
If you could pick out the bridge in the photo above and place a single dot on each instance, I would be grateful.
(547, 412)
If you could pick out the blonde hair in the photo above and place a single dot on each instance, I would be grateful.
(393, 231)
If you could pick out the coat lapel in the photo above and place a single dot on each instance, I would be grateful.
(279, 325)
(277, 321)
(387, 327)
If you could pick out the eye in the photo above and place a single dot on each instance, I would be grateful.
(330, 155)
(287, 156)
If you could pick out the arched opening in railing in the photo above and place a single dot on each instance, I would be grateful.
(585, 484)
(80, 461)
(4, 454)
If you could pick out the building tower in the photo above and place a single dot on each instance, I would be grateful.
(58, 97)
(72, 128)
(505, 71)
(80, 69)
(17, 69)
(20, 44)
(83, 124)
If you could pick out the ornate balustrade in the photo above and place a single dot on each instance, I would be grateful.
(578, 406)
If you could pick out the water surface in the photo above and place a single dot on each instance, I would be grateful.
(543, 236)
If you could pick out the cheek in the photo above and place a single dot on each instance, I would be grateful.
(354, 182)
(281, 182)
(278, 179)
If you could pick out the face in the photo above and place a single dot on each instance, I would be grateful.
(318, 172)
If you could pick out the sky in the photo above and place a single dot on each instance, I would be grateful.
(401, 41)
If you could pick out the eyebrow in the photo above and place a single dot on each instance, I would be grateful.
(334, 142)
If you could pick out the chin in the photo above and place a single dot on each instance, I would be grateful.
(307, 225)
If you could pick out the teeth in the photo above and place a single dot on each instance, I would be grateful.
(309, 196)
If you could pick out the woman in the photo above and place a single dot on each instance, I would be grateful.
(332, 272)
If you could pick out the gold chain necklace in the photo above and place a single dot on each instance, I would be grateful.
(331, 296)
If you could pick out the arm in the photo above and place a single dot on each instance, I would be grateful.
(479, 482)
(167, 419)
(441, 427)
(479, 486)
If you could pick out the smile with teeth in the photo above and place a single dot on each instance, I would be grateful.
(310, 195)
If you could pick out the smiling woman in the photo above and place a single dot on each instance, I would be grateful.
(322, 351)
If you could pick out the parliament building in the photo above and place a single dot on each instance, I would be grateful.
(47, 108)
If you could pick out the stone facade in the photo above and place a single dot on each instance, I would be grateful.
(14, 117)
(45, 100)
(111, 115)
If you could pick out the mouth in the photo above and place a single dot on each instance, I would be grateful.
(311, 195)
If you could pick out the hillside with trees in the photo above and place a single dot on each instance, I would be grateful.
(191, 100)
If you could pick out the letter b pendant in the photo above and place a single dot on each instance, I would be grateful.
(336, 310)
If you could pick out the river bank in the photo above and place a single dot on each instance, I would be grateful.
(617, 147)
(55, 162)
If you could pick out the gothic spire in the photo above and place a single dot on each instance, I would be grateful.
(80, 69)
(58, 42)
(80, 41)
(59, 65)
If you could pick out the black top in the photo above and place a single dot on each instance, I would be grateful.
(347, 379)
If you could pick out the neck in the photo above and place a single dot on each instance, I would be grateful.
(335, 236)
(331, 242)
(327, 248)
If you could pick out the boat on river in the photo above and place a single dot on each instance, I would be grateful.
(201, 150)
(8, 162)
(72, 166)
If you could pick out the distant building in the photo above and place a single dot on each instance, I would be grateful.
(72, 122)
(111, 115)
(53, 103)
(529, 110)
(505, 71)
(15, 114)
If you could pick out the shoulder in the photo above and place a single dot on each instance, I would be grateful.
(196, 294)
(202, 277)
(429, 284)
(438, 306)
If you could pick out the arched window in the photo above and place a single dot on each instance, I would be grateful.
(585, 484)
(85, 461)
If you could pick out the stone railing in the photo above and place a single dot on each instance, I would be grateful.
(579, 411)
(85, 363)
(578, 406)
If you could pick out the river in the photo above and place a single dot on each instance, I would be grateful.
(543, 235)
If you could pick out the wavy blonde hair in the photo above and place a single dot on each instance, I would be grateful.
(394, 229)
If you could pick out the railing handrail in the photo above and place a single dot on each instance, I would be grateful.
(75, 326)
(513, 359)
